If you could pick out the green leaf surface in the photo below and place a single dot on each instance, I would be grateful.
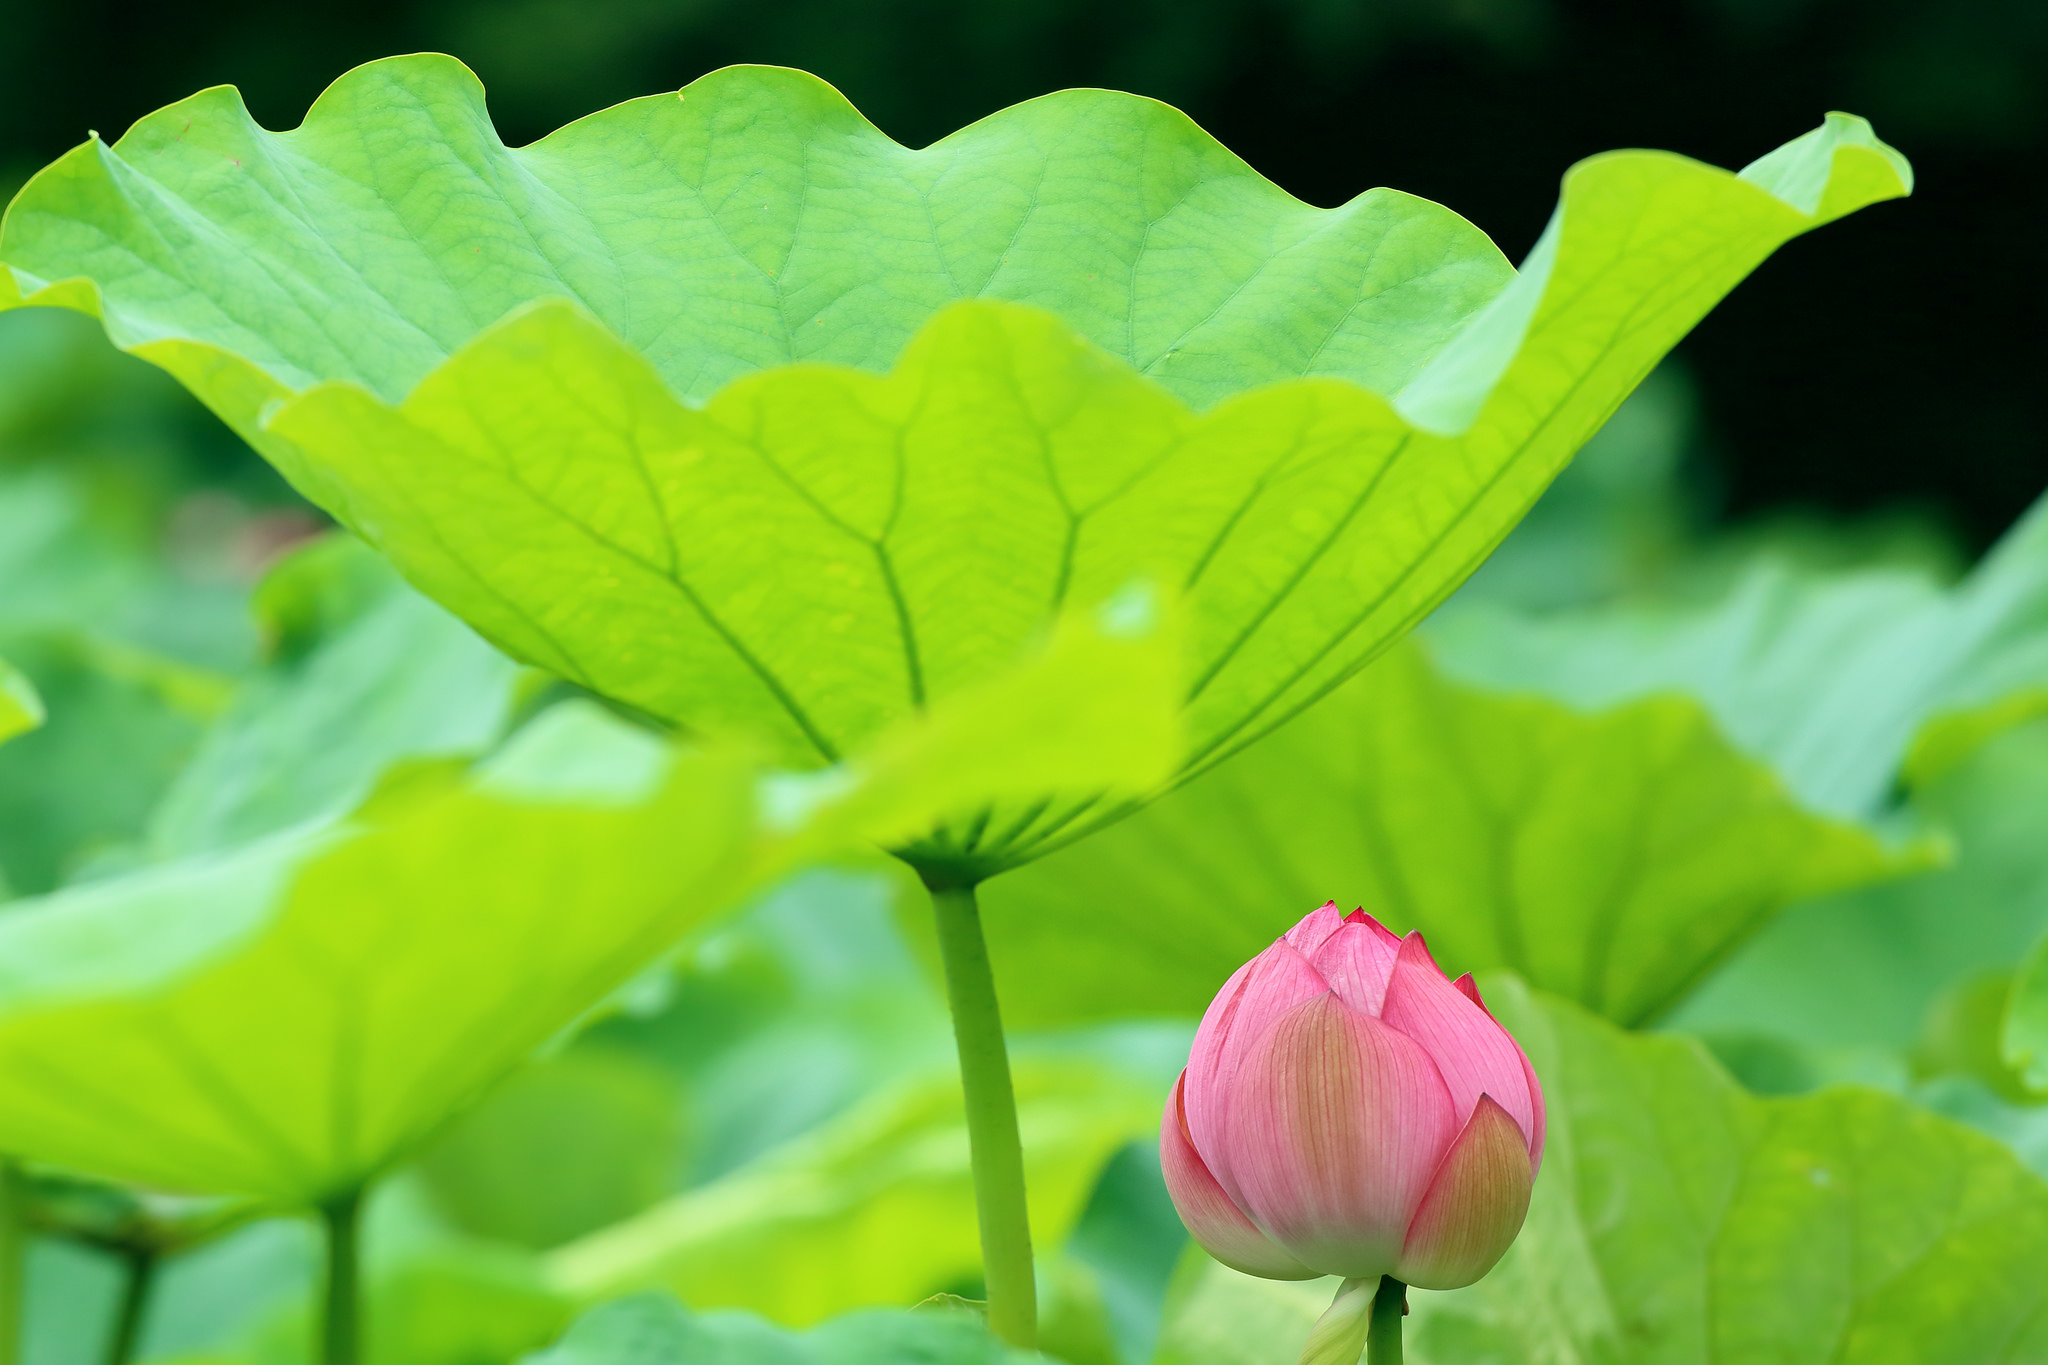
(286, 1019)
(876, 1207)
(280, 1021)
(1678, 1218)
(1846, 682)
(21, 710)
(1613, 858)
(645, 352)
(652, 1330)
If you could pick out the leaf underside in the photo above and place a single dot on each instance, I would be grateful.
(1118, 353)
(287, 1018)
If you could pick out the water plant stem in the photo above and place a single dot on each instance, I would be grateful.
(1389, 1305)
(13, 1256)
(341, 1313)
(995, 1148)
(134, 1310)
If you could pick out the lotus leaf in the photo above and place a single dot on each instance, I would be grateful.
(1613, 858)
(285, 1019)
(728, 407)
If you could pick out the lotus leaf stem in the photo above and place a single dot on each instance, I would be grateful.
(341, 1313)
(996, 1151)
(134, 1310)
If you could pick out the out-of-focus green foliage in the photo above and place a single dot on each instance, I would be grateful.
(1848, 683)
(939, 514)
(655, 1331)
(1613, 858)
(1891, 951)
(564, 1147)
(2024, 1026)
(1677, 1217)
(361, 674)
(21, 710)
(876, 1207)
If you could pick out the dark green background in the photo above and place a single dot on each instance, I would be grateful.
(1895, 359)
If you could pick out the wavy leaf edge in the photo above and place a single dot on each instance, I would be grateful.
(1822, 175)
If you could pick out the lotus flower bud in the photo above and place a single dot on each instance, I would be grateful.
(1348, 1111)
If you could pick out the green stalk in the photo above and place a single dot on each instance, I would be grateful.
(341, 1313)
(1389, 1306)
(13, 1256)
(996, 1150)
(134, 1308)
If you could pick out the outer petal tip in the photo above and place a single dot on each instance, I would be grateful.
(1475, 1205)
(1311, 929)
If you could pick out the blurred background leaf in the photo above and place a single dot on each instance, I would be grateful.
(21, 709)
(1615, 858)
(653, 1331)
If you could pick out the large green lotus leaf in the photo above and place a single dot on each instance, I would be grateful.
(874, 1208)
(1680, 1219)
(1613, 858)
(286, 1019)
(1846, 682)
(386, 676)
(21, 710)
(653, 1330)
(491, 364)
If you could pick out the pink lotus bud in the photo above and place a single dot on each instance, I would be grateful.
(1349, 1111)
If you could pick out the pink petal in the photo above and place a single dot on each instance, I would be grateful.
(1474, 1054)
(1309, 932)
(1257, 993)
(1336, 1126)
(1211, 1219)
(1474, 1207)
(1470, 987)
(1356, 960)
